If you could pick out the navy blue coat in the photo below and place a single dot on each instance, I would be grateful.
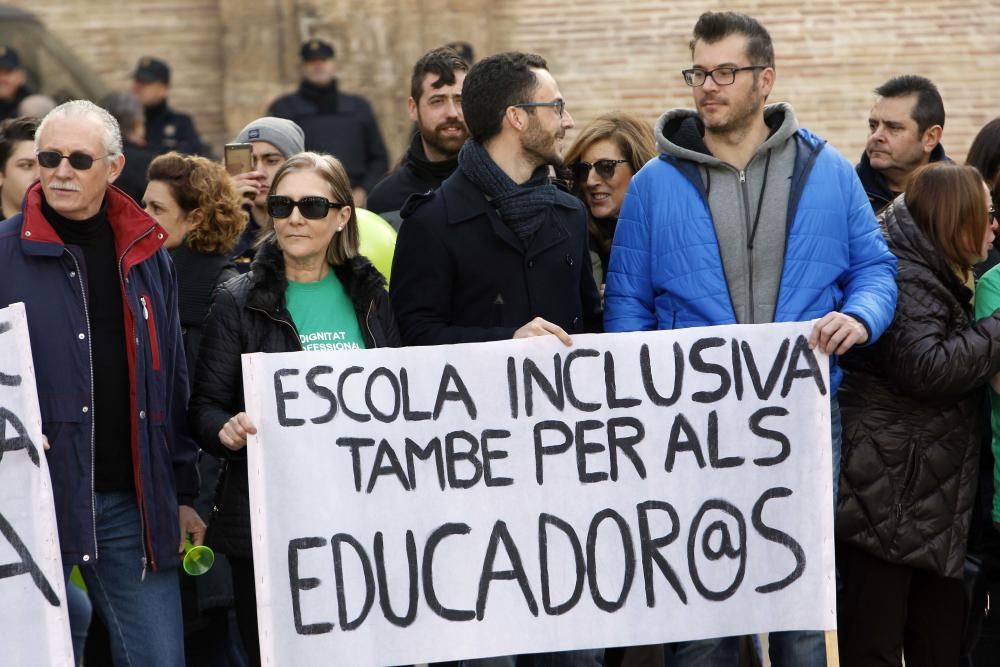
(350, 134)
(49, 278)
(460, 275)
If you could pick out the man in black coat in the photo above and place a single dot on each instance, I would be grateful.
(333, 121)
(435, 106)
(498, 251)
(166, 129)
(127, 110)
(904, 132)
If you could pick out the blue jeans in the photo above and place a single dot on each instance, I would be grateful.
(143, 615)
(583, 658)
(786, 649)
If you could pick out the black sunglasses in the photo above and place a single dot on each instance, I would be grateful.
(312, 208)
(604, 168)
(81, 161)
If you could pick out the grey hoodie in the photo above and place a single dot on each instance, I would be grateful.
(751, 258)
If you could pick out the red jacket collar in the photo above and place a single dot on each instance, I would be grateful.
(136, 233)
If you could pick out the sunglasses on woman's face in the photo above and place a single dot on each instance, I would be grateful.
(604, 168)
(311, 208)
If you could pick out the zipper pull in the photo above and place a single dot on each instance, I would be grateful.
(743, 176)
(145, 312)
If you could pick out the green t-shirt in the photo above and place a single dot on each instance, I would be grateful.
(988, 301)
(324, 315)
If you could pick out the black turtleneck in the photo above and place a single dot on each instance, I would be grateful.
(111, 410)
(416, 175)
(324, 97)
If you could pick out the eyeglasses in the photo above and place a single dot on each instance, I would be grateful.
(311, 208)
(993, 215)
(77, 160)
(604, 168)
(722, 76)
(558, 105)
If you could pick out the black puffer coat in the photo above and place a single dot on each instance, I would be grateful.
(249, 315)
(914, 410)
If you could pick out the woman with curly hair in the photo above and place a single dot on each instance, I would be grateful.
(195, 200)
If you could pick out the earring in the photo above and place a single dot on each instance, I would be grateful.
(340, 229)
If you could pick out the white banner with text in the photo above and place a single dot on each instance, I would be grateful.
(427, 504)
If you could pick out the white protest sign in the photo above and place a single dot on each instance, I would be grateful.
(34, 624)
(437, 503)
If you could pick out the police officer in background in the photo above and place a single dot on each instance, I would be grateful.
(13, 82)
(166, 129)
(335, 122)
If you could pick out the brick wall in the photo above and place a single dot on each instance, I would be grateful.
(231, 57)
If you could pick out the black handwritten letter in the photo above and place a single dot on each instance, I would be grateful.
(649, 548)
(592, 565)
(280, 396)
(778, 537)
(427, 572)
(801, 350)
(645, 365)
(299, 584)
(450, 376)
(383, 584)
(768, 434)
(544, 521)
(338, 571)
(702, 366)
(546, 450)
(385, 417)
(323, 392)
(727, 548)
(568, 380)
(516, 571)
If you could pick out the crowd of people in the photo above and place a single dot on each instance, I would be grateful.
(726, 213)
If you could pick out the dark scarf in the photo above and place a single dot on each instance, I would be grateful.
(417, 159)
(324, 97)
(521, 207)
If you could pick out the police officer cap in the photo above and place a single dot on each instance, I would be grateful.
(9, 58)
(151, 70)
(317, 49)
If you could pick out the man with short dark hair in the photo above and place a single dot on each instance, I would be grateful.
(904, 132)
(101, 298)
(165, 129)
(498, 252)
(333, 121)
(435, 106)
(18, 164)
(13, 82)
(748, 219)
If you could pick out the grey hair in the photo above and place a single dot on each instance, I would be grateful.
(86, 109)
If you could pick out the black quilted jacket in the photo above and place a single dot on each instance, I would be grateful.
(914, 409)
(248, 315)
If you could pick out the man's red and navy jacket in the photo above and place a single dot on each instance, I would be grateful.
(36, 268)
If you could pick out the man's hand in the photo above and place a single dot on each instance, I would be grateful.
(251, 184)
(540, 327)
(360, 197)
(836, 333)
(45, 442)
(191, 524)
(233, 435)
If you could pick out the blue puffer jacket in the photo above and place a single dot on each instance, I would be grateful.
(47, 277)
(666, 271)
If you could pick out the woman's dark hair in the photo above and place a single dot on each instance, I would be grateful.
(198, 183)
(494, 84)
(984, 155)
(13, 132)
(947, 203)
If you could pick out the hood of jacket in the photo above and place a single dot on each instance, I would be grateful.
(680, 133)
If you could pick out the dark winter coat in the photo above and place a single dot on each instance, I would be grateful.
(169, 130)
(913, 410)
(416, 175)
(48, 276)
(876, 187)
(249, 315)
(460, 275)
(340, 124)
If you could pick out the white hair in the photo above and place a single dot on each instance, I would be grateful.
(86, 109)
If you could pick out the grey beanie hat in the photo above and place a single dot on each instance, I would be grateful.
(286, 136)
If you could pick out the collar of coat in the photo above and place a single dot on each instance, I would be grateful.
(137, 236)
(268, 281)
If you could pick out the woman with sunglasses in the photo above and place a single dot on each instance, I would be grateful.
(602, 161)
(913, 417)
(307, 289)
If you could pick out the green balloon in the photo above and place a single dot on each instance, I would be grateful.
(378, 240)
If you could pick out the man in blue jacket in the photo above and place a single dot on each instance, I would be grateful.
(101, 300)
(746, 218)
